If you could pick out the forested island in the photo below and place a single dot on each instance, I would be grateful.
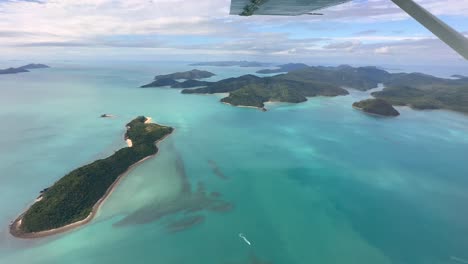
(376, 107)
(191, 79)
(24, 68)
(421, 91)
(417, 90)
(188, 75)
(74, 199)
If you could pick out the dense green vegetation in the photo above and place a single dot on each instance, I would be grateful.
(72, 197)
(420, 91)
(284, 68)
(449, 97)
(376, 106)
(188, 75)
(175, 84)
(190, 84)
(256, 91)
(251, 90)
(226, 85)
(257, 95)
(361, 78)
(161, 82)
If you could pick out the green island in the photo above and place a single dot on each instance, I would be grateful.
(417, 90)
(191, 79)
(74, 199)
(421, 91)
(294, 86)
(376, 107)
(188, 75)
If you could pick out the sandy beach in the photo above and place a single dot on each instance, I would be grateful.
(15, 226)
(148, 120)
(246, 106)
(129, 142)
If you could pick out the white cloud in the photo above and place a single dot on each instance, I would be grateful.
(346, 46)
(383, 50)
(146, 24)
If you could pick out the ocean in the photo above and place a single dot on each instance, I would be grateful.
(315, 182)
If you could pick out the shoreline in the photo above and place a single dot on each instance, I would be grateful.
(263, 109)
(372, 114)
(14, 226)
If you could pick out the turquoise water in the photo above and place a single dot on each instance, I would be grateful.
(317, 182)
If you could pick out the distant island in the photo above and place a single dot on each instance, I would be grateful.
(284, 68)
(422, 91)
(231, 63)
(458, 76)
(376, 107)
(33, 66)
(187, 75)
(416, 90)
(254, 91)
(190, 77)
(24, 68)
(294, 86)
(74, 199)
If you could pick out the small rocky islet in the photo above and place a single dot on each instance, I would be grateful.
(377, 107)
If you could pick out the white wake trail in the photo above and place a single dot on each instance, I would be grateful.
(245, 239)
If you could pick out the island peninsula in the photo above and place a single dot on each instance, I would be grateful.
(376, 107)
(24, 68)
(416, 90)
(74, 200)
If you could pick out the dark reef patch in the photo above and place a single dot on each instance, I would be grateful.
(187, 203)
(215, 194)
(216, 170)
(184, 223)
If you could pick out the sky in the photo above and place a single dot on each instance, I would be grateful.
(358, 32)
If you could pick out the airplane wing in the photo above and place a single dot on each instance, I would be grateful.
(444, 32)
(280, 7)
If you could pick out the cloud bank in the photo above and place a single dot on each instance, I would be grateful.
(358, 30)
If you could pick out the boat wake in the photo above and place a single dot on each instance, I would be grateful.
(245, 239)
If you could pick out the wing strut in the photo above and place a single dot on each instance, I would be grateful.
(444, 32)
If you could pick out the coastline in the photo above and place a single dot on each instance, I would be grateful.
(14, 226)
(247, 106)
(372, 114)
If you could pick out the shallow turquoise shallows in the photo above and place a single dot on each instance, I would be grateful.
(316, 182)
